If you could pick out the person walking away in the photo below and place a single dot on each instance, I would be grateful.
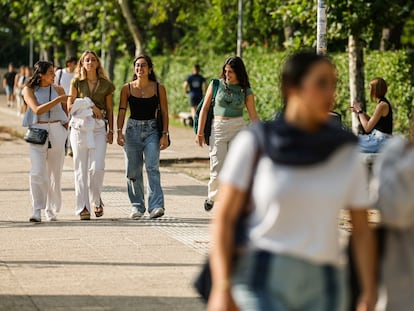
(8, 84)
(299, 171)
(142, 142)
(91, 81)
(45, 111)
(393, 185)
(63, 78)
(20, 81)
(233, 94)
(195, 86)
(380, 125)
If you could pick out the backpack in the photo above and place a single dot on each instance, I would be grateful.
(210, 114)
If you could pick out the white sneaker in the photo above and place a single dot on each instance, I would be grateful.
(157, 212)
(36, 217)
(50, 215)
(136, 215)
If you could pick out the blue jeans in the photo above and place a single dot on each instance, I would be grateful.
(264, 281)
(373, 142)
(142, 144)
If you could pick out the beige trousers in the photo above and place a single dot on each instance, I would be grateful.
(222, 133)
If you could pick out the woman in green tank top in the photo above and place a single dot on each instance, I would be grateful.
(233, 94)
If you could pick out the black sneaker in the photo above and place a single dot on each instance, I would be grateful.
(208, 205)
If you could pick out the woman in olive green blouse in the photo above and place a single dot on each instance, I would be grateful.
(89, 147)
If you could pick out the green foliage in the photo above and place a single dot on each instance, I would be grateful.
(264, 68)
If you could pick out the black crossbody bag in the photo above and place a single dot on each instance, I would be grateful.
(35, 135)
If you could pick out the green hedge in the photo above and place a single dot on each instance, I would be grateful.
(264, 72)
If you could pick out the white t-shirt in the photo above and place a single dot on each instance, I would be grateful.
(296, 208)
(65, 79)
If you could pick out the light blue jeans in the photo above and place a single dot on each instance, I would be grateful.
(142, 144)
(372, 142)
(263, 281)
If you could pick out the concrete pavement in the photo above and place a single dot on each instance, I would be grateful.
(110, 263)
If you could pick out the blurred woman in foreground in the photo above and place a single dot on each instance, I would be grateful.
(300, 171)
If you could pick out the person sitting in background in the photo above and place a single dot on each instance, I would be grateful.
(195, 86)
(379, 126)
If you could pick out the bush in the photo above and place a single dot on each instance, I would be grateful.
(264, 69)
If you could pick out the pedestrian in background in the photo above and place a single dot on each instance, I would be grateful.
(393, 185)
(89, 164)
(233, 95)
(20, 81)
(45, 111)
(195, 87)
(64, 78)
(379, 126)
(142, 142)
(299, 172)
(8, 84)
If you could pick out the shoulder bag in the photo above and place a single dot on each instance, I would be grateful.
(160, 121)
(210, 114)
(36, 135)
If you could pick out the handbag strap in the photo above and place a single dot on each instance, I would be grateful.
(50, 98)
(215, 89)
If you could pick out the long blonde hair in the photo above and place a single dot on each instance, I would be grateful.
(80, 71)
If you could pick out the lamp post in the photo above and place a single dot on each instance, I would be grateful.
(321, 41)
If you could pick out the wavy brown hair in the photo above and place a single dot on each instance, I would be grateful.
(39, 69)
(80, 71)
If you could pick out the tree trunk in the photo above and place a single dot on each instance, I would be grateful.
(111, 58)
(385, 39)
(356, 77)
(70, 48)
(132, 26)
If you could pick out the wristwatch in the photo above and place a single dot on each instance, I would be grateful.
(166, 133)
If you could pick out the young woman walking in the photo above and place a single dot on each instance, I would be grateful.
(233, 94)
(299, 171)
(46, 103)
(91, 81)
(142, 142)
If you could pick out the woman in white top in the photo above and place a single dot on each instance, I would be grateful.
(304, 171)
(46, 110)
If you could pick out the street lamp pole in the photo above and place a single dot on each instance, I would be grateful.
(321, 41)
(240, 29)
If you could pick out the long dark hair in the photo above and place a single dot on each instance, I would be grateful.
(236, 63)
(151, 73)
(39, 69)
(296, 68)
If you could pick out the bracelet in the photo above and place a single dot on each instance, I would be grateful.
(111, 131)
(119, 130)
(200, 135)
(360, 111)
(166, 133)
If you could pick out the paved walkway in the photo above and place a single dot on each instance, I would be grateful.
(108, 264)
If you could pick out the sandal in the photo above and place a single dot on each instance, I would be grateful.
(85, 215)
(99, 209)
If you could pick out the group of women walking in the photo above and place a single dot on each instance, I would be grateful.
(90, 107)
(298, 172)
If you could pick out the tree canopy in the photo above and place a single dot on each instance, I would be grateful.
(61, 28)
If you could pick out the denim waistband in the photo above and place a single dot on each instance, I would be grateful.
(133, 122)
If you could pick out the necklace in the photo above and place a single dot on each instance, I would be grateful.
(141, 89)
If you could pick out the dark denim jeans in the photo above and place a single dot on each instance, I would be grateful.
(143, 146)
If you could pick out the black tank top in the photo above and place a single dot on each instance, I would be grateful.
(385, 124)
(142, 108)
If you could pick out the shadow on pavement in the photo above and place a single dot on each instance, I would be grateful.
(84, 302)
(113, 222)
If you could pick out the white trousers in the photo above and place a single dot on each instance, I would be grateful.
(222, 133)
(46, 170)
(89, 166)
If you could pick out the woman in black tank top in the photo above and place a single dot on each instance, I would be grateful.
(142, 143)
(379, 126)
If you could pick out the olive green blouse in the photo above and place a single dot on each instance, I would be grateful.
(103, 89)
